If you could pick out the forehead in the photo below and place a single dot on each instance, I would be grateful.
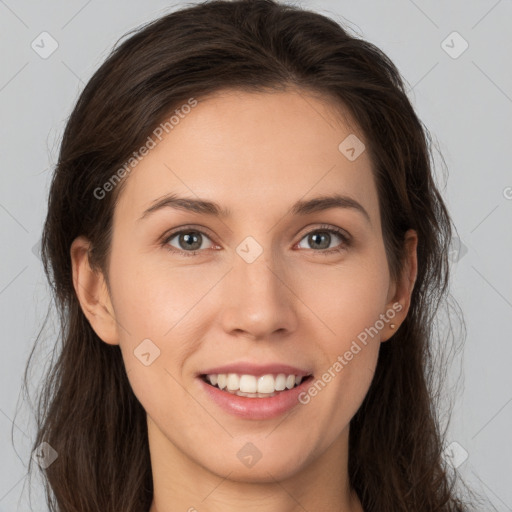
(252, 152)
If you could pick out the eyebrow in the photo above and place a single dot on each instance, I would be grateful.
(301, 207)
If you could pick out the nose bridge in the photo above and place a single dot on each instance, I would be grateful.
(258, 301)
(257, 270)
(256, 274)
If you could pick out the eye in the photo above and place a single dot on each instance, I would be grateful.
(321, 239)
(189, 241)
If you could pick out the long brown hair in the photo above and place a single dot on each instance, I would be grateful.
(86, 410)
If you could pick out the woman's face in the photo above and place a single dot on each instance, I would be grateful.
(264, 289)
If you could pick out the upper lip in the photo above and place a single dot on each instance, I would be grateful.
(256, 369)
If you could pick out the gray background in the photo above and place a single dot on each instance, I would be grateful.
(466, 102)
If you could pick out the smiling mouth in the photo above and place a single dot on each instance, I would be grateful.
(251, 386)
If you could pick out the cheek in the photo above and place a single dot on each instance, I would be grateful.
(347, 298)
(349, 302)
(162, 304)
(151, 295)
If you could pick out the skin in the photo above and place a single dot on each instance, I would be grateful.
(258, 154)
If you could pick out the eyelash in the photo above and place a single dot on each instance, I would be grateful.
(323, 228)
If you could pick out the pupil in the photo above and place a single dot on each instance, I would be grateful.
(189, 241)
(314, 238)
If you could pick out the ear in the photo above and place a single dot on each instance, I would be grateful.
(92, 292)
(399, 297)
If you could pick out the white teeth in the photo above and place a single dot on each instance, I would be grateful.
(280, 382)
(248, 384)
(267, 384)
(233, 382)
(252, 386)
(221, 380)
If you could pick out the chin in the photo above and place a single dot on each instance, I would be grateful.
(251, 465)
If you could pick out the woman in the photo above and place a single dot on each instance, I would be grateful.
(248, 248)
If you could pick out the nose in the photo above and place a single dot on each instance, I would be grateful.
(258, 299)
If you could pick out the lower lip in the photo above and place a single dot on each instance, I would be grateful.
(255, 408)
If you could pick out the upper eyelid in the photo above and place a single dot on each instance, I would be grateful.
(183, 229)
